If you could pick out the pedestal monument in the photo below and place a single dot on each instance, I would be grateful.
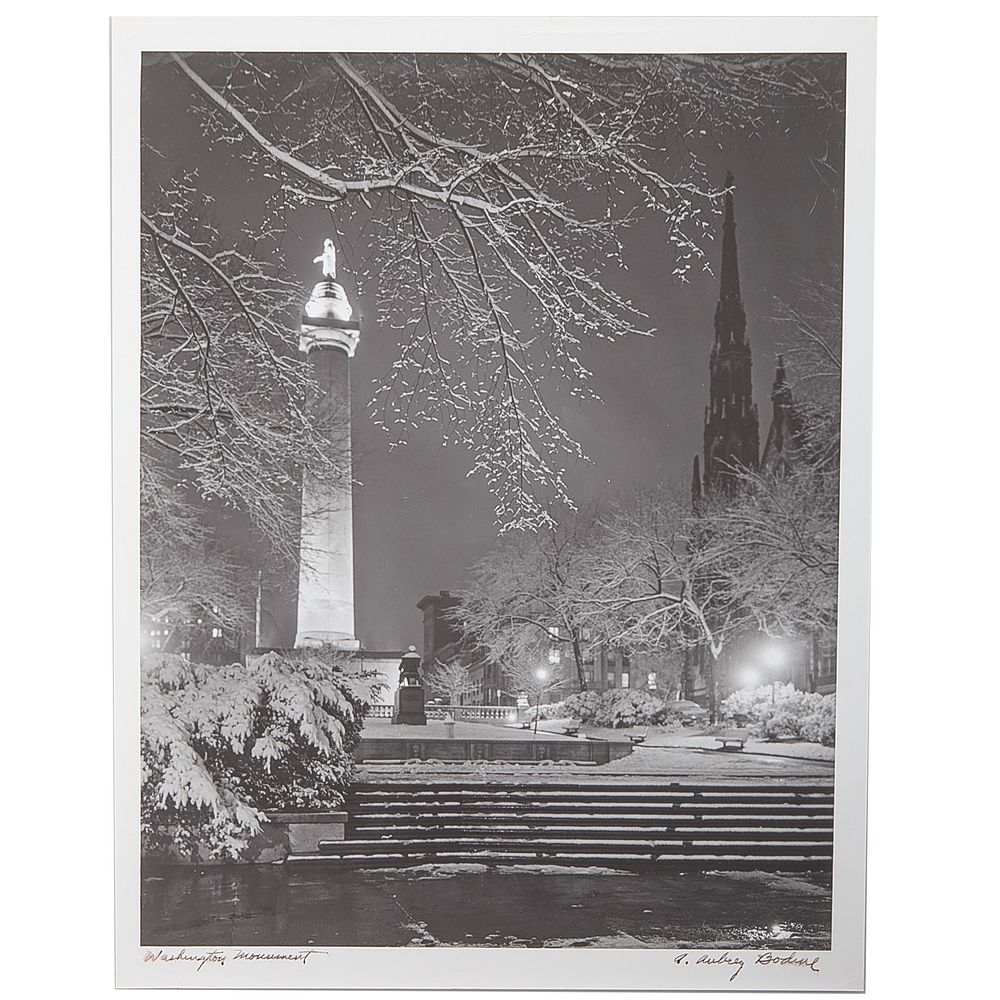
(328, 337)
(408, 706)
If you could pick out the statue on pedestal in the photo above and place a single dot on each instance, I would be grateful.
(408, 707)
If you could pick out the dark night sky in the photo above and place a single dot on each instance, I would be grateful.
(419, 522)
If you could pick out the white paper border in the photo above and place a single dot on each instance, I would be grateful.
(619, 969)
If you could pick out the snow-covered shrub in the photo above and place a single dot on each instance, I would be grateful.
(626, 708)
(775, 722)
(791, 714)
(584, 705)
(820, 726)
(616, 709)
(748, 701)
(220, 744)
(555, 710)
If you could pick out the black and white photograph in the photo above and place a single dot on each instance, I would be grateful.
(493, 513)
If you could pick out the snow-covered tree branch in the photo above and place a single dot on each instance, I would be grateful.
(488, 199)
(450, 680)
(224, 420)
(536, 588)
(779, 534)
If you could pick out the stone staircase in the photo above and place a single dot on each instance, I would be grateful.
(774, 826)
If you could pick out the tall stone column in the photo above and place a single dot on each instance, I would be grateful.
(329, 338)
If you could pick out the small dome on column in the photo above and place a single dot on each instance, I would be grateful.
(327, 316)
(328, 301)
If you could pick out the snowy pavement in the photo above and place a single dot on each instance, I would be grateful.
(682, 754)
(435, 730)
(475, 906)
(700, 739)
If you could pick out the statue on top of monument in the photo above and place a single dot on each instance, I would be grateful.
(328, 258)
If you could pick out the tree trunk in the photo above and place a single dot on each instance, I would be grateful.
(712, 692)
(578, 658)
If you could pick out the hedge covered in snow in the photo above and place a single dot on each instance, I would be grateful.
(787, 713)
(794, 714)
(222, 744)
(618, 709)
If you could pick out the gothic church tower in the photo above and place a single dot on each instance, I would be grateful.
(732, 433)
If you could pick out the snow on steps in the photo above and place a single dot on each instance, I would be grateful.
(756, 825)
(740, 861)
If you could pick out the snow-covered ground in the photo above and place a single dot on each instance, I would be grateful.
(685, 757)
(436, 871)
(472, 906)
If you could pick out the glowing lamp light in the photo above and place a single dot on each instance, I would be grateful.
(541, 673)
(775, 655)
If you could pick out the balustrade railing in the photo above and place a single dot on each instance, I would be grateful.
(500, 713)
(504, 713)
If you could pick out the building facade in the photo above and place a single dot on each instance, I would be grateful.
(446, 645)
(604, 669)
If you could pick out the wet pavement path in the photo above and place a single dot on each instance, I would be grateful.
(470, 905)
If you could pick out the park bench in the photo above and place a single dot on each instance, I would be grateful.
(732, 739)
(635, 738)
(571, 728)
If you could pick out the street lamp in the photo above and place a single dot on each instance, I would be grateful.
(775, 656)
(541, 673)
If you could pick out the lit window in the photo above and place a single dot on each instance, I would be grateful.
(611, 678)
(553, 655)
(651, 681)
(624, 680)
(216, 633)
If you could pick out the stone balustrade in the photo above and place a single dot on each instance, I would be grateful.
(499, 713)
(502, 713)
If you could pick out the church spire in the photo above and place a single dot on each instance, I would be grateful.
(731, 427)
(784, 437)
(730, 319)
(730, 273)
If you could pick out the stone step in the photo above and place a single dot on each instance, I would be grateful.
(608, 859)
(428, 818)
(431, 787)
(596, 832)
(597, 795)
(585, 795)
(594, 808)
(697, 826)
(542, 846)
(588, 808)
